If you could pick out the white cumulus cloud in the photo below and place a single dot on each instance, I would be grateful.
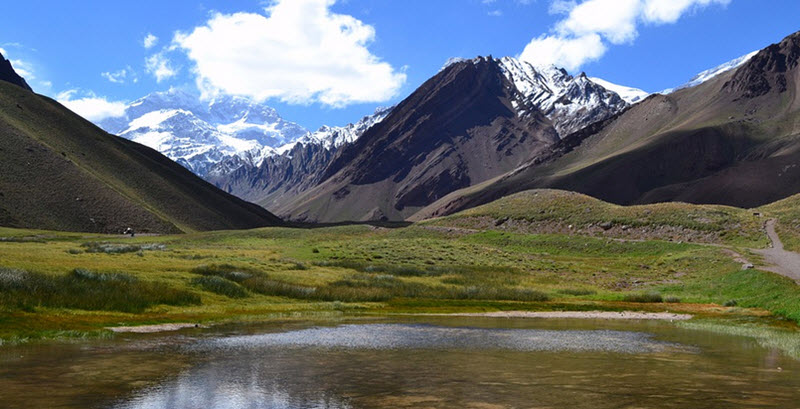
(298, 51)
(160, 67)
(90, 106)
(27, 71)
(581, 36)
(566, 52)
(149, 41)
(121, 76)
(23, 68)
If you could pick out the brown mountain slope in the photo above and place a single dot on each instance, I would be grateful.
(457, 129)
(8, 74)
(734, 140)
(60, 172)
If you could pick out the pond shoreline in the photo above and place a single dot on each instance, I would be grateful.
(151, 329)
(603, 315)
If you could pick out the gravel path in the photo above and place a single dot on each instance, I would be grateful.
(783, 262)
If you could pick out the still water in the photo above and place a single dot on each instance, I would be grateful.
(409, 363)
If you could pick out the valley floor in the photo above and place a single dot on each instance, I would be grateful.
(56, 285)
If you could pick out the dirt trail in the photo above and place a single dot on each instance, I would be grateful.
(780, 261)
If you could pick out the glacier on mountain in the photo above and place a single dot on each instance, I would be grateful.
(713, 72)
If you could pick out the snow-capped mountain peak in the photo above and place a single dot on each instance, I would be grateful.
(570, 102)
(629, 94)
(713, 72)
(334, 137)
(198, 134)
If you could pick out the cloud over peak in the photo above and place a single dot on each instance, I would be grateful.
(298, 51)
(91, 106)
(581, 36)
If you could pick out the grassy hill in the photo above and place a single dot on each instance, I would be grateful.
(562, 212)
(60, 172)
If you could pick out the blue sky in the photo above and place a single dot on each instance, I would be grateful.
(331, 62)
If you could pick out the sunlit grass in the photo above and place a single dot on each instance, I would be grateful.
(269, 272)
(85, 290)
(786, 340)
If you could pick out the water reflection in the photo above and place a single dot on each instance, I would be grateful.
(405, 363)
(399, 336)
(381, 364)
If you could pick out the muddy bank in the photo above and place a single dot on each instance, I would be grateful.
(148, 329)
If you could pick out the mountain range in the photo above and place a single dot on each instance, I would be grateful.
(733, 139)
(276, 160)
(478, 130)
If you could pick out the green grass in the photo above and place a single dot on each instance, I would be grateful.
(644, 298)
(255, 274)
(226, 271)
(85, 290)
(221, 286)
(541, 211)
(784, 339)
(577, 291)
(757, 289)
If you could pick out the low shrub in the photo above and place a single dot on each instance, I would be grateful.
(296, 265)
(730, 303)
(672, 300)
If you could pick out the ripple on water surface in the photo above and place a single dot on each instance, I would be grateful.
(410, 365)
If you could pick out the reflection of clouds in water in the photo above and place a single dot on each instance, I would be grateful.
(320, 367)
(399, 336)
(213, 388)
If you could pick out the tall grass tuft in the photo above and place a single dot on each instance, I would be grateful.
(498, 293)
(266, 286)
(86, 290)
(644, 298)
(221, 286)
(226, 271)
(373, 284)
(577, 291)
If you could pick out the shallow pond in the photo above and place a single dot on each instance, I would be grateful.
(414, 362)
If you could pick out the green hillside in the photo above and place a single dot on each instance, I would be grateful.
(562, 212)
